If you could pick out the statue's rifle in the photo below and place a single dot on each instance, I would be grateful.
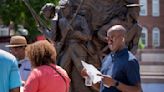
(40, 24)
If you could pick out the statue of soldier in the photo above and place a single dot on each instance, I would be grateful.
(50, 13)
(77, 35)
(134, 29)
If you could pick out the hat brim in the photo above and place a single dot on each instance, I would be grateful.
(12, 46)
(134, 5)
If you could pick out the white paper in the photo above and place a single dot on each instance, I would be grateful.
(92, 72)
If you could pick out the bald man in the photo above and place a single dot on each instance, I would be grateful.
(120, 68)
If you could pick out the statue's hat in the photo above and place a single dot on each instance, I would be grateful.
(133, 5)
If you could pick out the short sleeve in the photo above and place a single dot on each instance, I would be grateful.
(14, 79)
(32, 82)
(133, 73)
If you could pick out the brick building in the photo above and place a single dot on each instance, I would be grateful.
(152, 56)
(152, 20)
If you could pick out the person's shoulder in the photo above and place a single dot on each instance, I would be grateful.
(26, 60)
(131, 56)
(61, 70)
(6, 56)
(106, 62)
(26, 64)
(36, 72)
(107, 58)
(132, 60)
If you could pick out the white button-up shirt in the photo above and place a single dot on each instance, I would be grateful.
(24, 68)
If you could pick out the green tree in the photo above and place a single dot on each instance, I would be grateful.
(16, 11)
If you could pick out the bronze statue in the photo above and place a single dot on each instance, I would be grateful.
(134, 29)
(77, 34)
(78, 30)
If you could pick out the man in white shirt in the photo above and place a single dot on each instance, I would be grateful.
(17, 48)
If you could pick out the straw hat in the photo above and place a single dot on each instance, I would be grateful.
(17, 41)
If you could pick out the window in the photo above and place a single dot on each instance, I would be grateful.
(156, 37)
(144, 36)
(155, 8)
(143, 9)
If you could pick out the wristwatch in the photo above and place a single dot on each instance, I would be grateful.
(116, 84)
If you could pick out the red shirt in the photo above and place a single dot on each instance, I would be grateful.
(46, 79)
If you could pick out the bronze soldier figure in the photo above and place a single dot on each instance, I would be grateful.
(77, 36)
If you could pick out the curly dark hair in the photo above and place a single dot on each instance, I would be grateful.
(41, 53)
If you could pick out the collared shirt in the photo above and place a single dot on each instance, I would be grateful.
(9, 73)
(121, 66)
(24, 68)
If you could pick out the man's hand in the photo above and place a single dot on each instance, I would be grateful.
(107, 80)
(84, 73)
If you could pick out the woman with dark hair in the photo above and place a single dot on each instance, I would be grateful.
(45, 76)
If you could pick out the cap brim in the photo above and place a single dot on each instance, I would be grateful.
(10, 46)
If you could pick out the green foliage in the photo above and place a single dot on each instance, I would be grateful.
(16, 11)
(140, 44)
